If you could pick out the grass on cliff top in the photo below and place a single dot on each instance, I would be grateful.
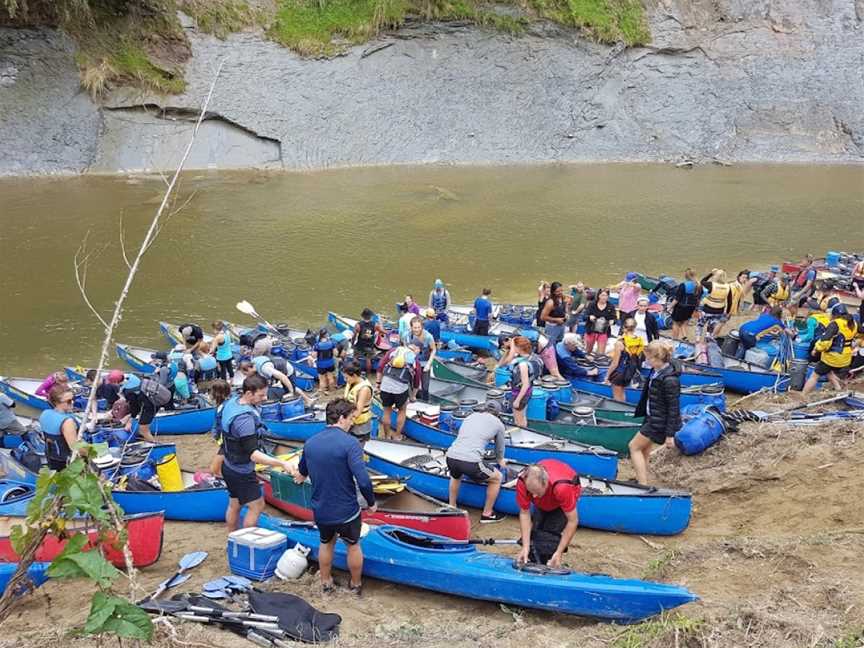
(324, 27)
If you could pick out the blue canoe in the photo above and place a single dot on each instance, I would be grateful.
(696, 395)
(15, 497)
(302, 427)
(450, 566)
(193, 504)
(139, 358)
(605, 504)
(37, 572)
(527, 446)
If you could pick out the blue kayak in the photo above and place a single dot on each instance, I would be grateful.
(605, 504)
(37, 572)
(303, 426)
(527, 446)
(15, 497)
(696, 395)
(450, 566)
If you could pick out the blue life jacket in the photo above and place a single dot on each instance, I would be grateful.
(423, 342)
(235, 457)
(434, 328)
(691, 294)
(207, 363)
(535, 369)
(324, 350)
(439, 301)
(51, 421)
(763, 326)
(224, 350)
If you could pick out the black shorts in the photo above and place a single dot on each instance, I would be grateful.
(394, 400)
(681, 314)
(148, 412)
(321, 371)
(348, 531)
(823, 369)
(479, 472)
(481, 327)
(364, 354)
(647, 432)
(243, 487)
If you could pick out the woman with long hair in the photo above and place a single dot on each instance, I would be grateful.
(525, 367)
(598, 322)
(554, 313)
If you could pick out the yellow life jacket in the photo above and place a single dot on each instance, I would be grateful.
(737, 293)
(780, 295)
(633, 344)
(837, 351)
(351, 393)
(717, 297)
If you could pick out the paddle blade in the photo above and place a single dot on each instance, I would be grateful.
(193, 559)
(215, 585)
(246, 308)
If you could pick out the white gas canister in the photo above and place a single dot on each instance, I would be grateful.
(293, 563)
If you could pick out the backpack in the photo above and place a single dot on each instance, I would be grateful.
(156, 392)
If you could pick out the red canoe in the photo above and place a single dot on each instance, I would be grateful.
(144, 532)
(407, 508)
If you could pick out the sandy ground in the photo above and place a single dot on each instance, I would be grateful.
(773, 551)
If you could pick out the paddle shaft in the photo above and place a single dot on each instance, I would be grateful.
(801, 406)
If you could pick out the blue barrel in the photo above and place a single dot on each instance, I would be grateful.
(466, 407)
(456, 422)
(301, 351)
(270, 412)
(801, 350)
(832, 259)
(552, 409)
(502, 376)
(445, 417)
(306, 383)
(700, 432)
(564, 393)
(292, 408)
(692, 411)
(537, 404)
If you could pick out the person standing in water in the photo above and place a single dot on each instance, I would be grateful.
(660, 405)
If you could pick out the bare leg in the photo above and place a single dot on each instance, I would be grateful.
(144, 433)
(385, 422)
(253, 512)
(216, 465)
(454, 491)
(400, 421)
(810, 385)
(618, 393)
(521, 417)
(325, 561)
(835, 381)
(232, 514)
(638, 446)
(355, 564)
(492, 488)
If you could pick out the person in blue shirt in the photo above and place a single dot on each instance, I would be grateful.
(482, 312)
(431, 324)
(241, 429)
(766, 326)
(567, 354)
(333, 461)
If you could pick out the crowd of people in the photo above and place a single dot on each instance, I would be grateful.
(397, 372)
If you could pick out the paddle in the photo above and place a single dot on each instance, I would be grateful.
(801, 406)
(189, 561)
(248, 309)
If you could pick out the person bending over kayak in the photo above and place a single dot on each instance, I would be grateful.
(56, 378)
(465, 457)
(59, 426)
(567, 352)
(358, 391)
(767, 326)
(333, 460)
(660, 405)
(835, 348)
(241, 428)
(547, 494)
(273, 369)
(145, 397)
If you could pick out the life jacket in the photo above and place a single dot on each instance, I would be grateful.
(325, 350)
(692, 292)
(631, 357)
(235, 458)
(822, 321)
(206, 363)
(737, 293)
(400, 366)
(763, 326)
(218, 431)
(166, 373)
(176, 362)
(836, 350)
(224, 351)
(780, 295)
(535, 369)
(279, 364)
(365, 335)
(801, 278)
(351, 393)
(718, 296)
(51, 421)
(155, 392)
(439, 301)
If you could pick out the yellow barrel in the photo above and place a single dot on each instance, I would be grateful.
(168, 470)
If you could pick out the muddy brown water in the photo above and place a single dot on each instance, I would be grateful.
(296, 245)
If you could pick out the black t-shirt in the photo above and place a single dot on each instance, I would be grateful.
(607, 313)
(109, 391)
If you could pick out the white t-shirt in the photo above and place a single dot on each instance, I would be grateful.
(641, 330)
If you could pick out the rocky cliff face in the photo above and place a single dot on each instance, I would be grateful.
(723, 80)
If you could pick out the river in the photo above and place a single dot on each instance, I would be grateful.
(297, 245)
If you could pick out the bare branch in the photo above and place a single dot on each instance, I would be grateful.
(81, 279)
(123, 243)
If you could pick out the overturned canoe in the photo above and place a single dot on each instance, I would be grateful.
(443, 565)
(605, 504)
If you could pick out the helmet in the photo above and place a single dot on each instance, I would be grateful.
(132, 382)
(839, 309)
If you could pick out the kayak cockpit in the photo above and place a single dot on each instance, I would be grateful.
(423, 542)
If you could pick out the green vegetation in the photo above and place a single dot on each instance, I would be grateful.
(852, 640)
(140, 42)
(657, 566)
(661, 631)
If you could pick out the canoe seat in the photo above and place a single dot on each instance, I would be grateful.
(427, 463)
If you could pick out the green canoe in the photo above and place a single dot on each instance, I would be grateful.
(614, 435)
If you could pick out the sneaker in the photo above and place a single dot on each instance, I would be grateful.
(356, 590)
(330, 587)
(491, 519)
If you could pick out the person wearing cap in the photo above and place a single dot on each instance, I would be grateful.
(423, 344)
(547, 494)
(141, 405)
(465, 457)
(324, 356)
(835, 348)
(398, 372)
(647, 326)
(567, 353)
(439, 301)
(628, 292)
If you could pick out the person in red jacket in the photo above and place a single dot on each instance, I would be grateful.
(547, 494)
